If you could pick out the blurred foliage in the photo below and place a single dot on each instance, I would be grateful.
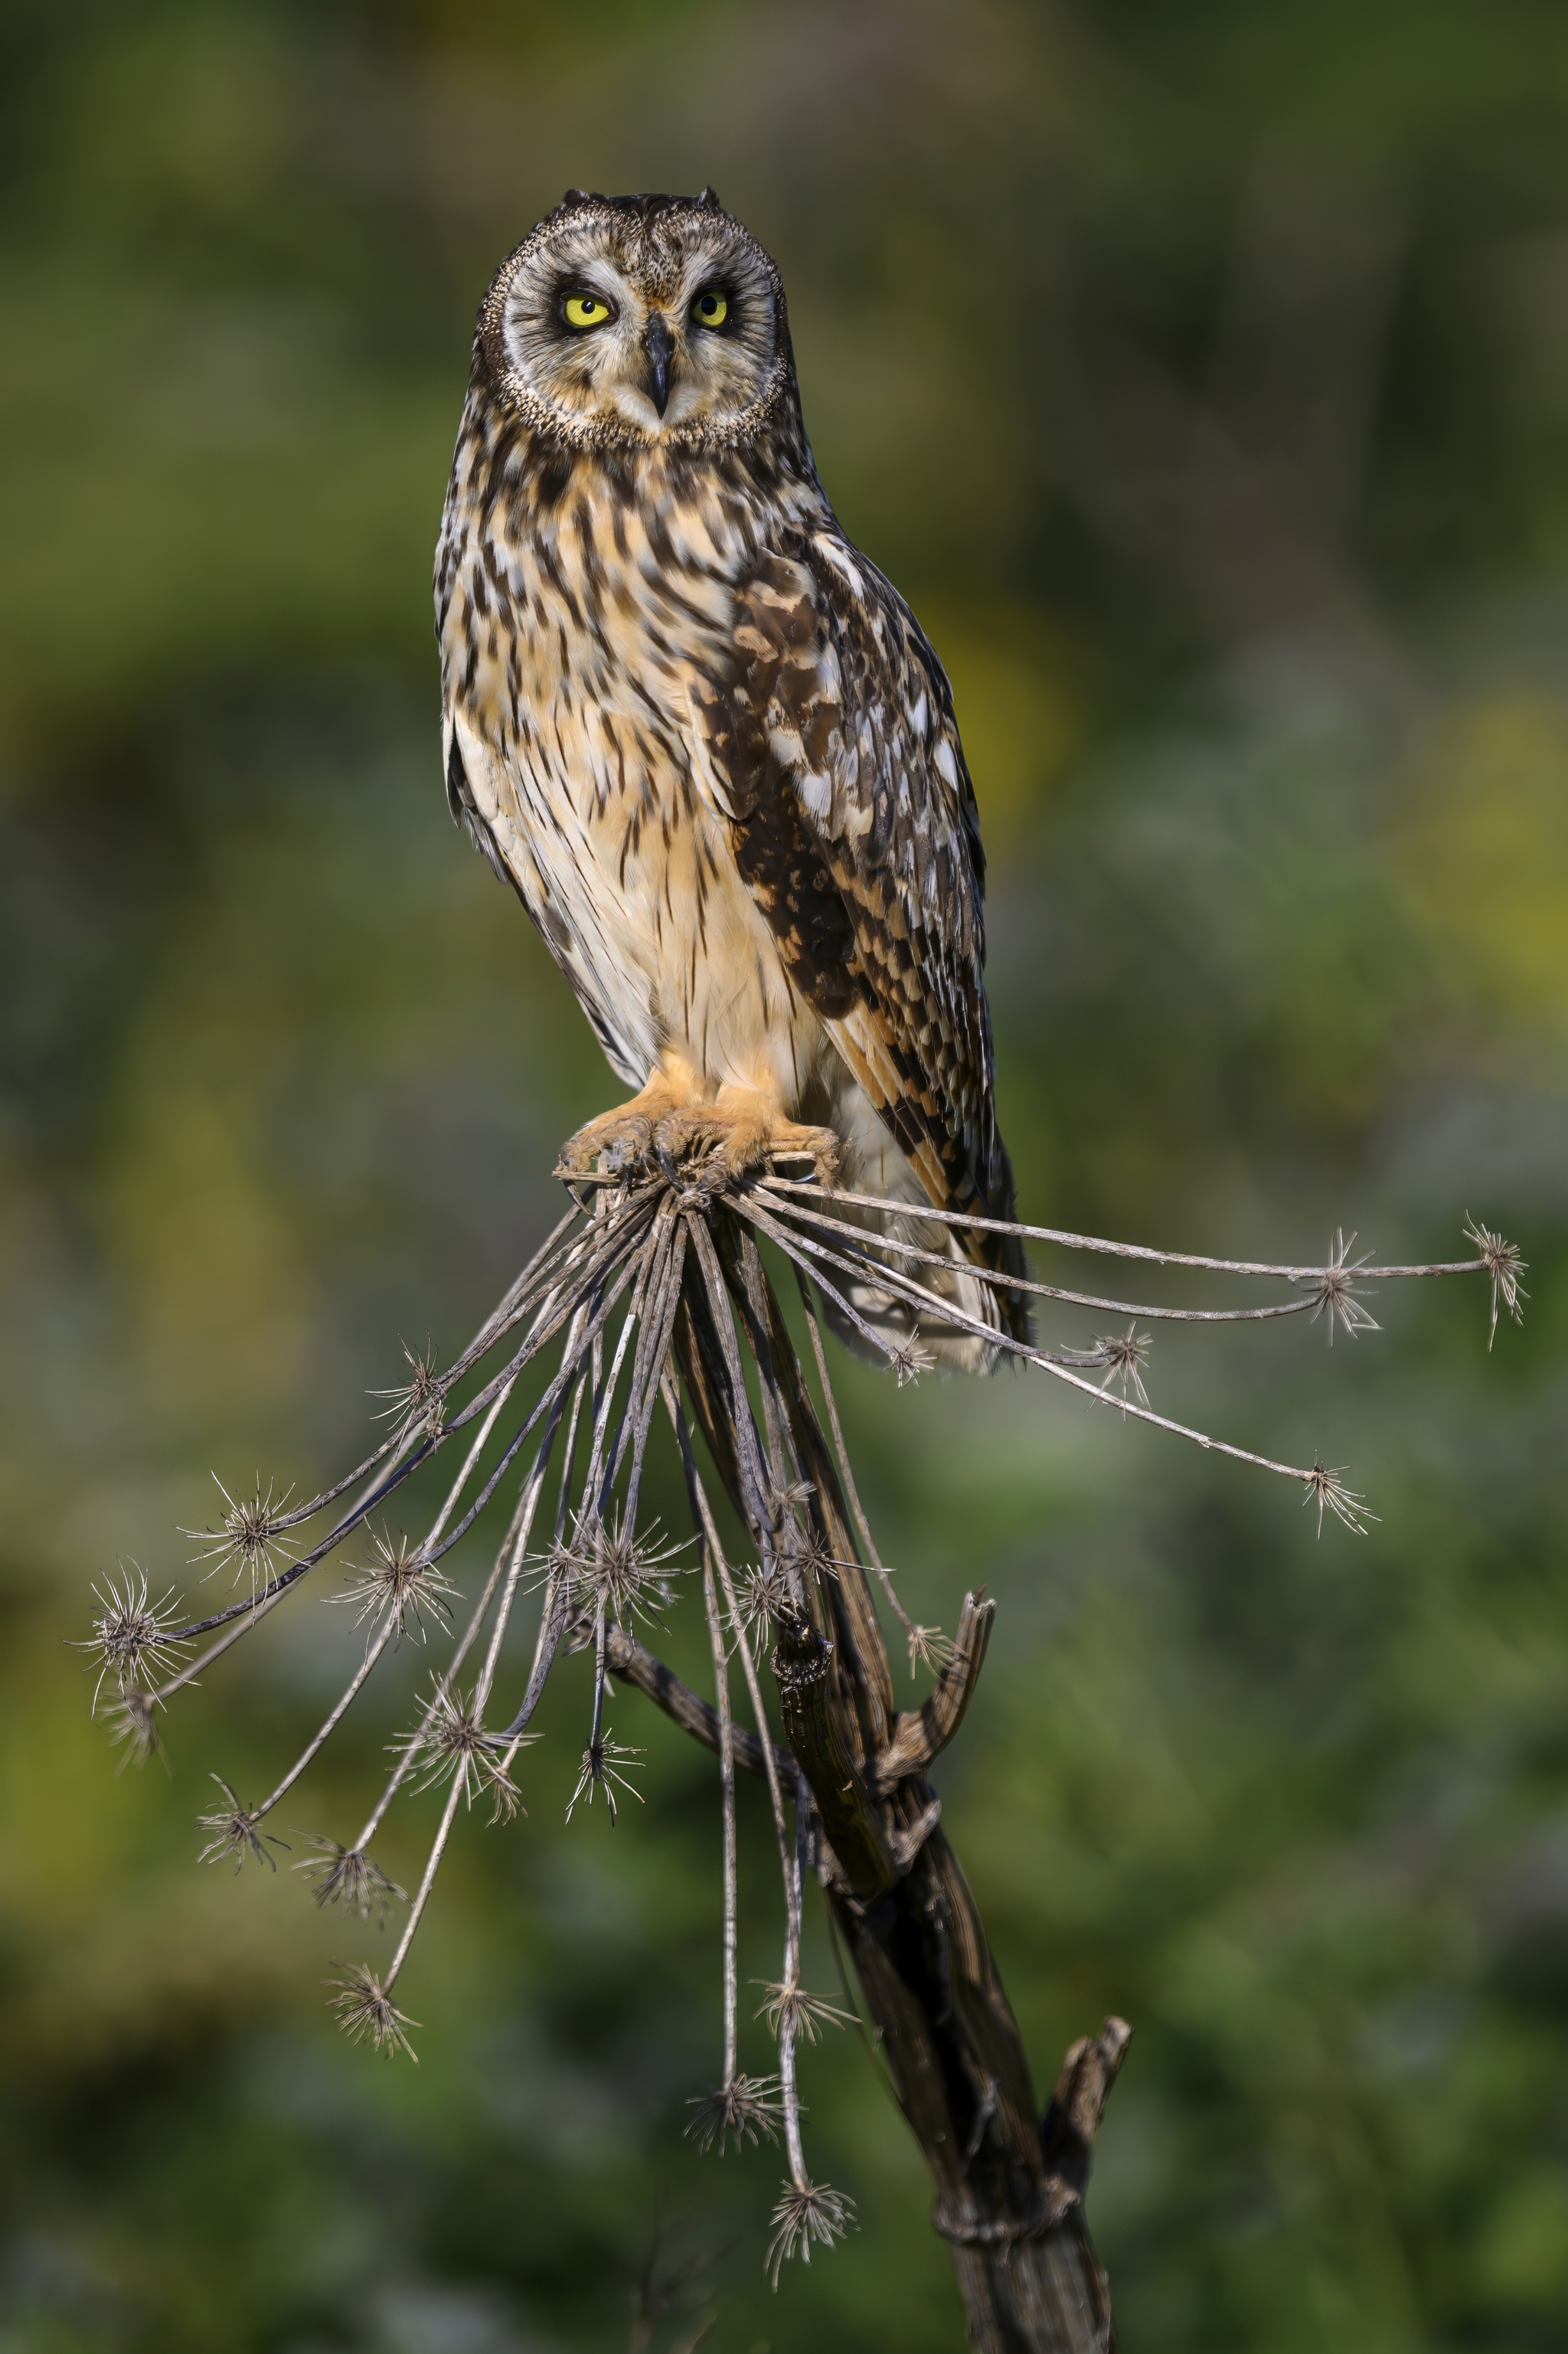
(1201, 371)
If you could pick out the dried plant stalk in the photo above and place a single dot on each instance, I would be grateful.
(655, 1282)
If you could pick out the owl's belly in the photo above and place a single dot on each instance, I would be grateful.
(634, 887)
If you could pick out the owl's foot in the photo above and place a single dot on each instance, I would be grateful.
(663, 1130)
(622, 1138)
(740, 1135)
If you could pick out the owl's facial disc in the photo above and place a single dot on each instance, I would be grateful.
(627, 327)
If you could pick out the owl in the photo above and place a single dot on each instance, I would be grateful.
(710, 748)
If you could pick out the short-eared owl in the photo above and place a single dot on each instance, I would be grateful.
(707, 742)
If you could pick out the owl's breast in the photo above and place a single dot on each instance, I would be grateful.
(570, 657)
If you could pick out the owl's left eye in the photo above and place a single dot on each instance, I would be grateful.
(586, 310)
(710, 308)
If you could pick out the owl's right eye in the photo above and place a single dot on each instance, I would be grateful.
(586, 310)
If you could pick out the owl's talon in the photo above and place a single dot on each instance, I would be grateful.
(618, 1140)
(819, 1146)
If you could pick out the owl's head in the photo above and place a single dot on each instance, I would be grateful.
(632, 321)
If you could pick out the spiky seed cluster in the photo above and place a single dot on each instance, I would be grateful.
(765, 1594)
(790, 2010)
(1124, 1356)
(401, 1583)
(1335, 1295)
(910, 1362)
(605, 1766)
(234, 1833)
(418, 1404)
(806, 2212)
(366, 2012)
(346, 1876)
(451, 1742)
(929, 1648)
(814, 1560)
(1505, 1265)
(741, 2110)
(613, 1570)
(786, 1496)
(1329, 1491)
(130, 1640)
(133, 1726)
(250, 1539)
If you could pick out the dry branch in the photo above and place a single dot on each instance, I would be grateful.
(655, 1282)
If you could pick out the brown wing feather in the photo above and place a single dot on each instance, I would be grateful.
(831, 728)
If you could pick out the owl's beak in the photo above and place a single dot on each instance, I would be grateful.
(659, 344)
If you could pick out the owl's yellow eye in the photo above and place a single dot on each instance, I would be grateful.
(587, 310)
(710, 309)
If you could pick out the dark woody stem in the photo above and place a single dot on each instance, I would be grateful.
(1009, 2183)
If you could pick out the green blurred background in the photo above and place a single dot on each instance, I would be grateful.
(1199, 370)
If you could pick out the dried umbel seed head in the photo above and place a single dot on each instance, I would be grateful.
(627, 1576)
(451, 1741)
(605, 1766)
(929, 1648)
(402, 1583)
(1124, 1356)
(135, 1727)
(1505, 1265)
(816, 1560)
(345, 1876)
(1328, 1489)
(764, 1595)
(807, 2213)
(251, 1538)
(130, 1640)
(788, 1497)
(366, 2012)
(234, 1833)
(741, 2110)
(790, 2010)
(1335, 1297)
(418, 1404)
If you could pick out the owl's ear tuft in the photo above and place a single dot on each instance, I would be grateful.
(573, 199)
(708, 202)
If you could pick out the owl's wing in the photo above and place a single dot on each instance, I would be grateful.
(829, 739)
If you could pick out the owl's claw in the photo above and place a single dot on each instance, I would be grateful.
(618, 1141)
(714, 1144)
(736, 1140)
